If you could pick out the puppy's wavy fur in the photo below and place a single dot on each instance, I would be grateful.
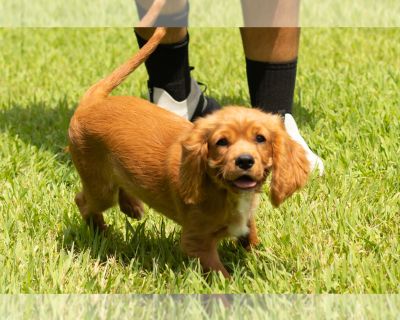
(127, 150)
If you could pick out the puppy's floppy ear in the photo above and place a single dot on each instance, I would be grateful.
(290, 168)
(193, 163)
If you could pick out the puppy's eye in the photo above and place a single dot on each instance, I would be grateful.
(223, 142)
(260, 138)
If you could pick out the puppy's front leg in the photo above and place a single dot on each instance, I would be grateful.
(251, 239)
(203, 247)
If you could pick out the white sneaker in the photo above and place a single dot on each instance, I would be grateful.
(291, 128)
(194, 106)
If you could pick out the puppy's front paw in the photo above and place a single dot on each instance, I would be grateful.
(248, 241)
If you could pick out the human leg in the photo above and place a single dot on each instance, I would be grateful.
(170, 84)
(271, 65)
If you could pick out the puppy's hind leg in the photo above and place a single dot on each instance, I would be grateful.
(88, 215)
(130, 205)
(92, 203)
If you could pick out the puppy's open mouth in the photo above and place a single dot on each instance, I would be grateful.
(245, 182)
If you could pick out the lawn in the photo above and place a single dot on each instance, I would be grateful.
(340, 234)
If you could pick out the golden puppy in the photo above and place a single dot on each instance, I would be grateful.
(205, 176)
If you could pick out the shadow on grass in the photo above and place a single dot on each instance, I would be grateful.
(132, 241)
(124, 244)
(40, 124)
(304, 116)
(149, 248)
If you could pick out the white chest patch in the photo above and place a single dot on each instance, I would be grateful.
(239, 227)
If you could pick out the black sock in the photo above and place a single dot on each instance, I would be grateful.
(168, 68)
(271, 85)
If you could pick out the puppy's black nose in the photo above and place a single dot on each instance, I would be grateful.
(244, 161)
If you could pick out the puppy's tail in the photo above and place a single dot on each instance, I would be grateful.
(103, 88)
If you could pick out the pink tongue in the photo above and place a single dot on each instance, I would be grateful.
(245, 183)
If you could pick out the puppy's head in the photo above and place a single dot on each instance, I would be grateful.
(236, 148)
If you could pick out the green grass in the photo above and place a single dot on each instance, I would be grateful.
(340, 234)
